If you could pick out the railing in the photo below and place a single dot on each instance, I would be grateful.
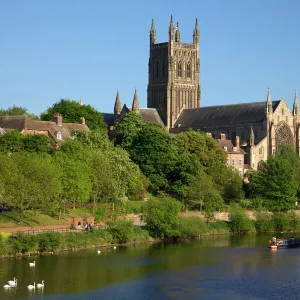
(38, 231)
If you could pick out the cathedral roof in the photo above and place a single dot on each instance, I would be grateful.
(109, 119)
(223, 115)
(151, 115)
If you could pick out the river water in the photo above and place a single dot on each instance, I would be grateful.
(212, 267)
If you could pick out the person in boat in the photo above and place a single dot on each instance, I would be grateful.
(273, 241)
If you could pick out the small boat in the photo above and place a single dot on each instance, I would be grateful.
(290, 242)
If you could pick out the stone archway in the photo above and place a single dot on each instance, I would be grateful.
(283, 135)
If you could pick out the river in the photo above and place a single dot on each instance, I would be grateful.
(211, 267)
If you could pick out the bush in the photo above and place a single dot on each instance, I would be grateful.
(124, 231)
(22, 243)
(286, 222)
(49, 241)
(239, 221)
(101, 213)
(3, 244)
(264, 222)
(73, 240)
(218, 227)
(162, 217)
(191, 226)
(134, 207)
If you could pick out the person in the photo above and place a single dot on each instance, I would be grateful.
(79, 225)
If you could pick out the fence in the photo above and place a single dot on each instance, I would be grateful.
(38, 231)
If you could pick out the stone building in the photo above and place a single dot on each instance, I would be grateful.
(56, 130)
(173, 99)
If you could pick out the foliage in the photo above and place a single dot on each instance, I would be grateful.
(49, 241)
(218, 227)
(127, 128)
(276, 184)
(264, 222)
(17, 111)
(124, 231)
(101, 213)
(191, 226)
(162, 217)
(239, 221)
(134, 207)
(286, 222)
(72, 111)
(22, 243)
(203, 192)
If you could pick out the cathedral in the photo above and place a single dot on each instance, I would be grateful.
(255, 129)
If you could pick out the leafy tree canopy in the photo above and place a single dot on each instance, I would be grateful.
(17, 111)
(72, 111)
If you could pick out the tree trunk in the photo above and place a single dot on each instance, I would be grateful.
(59, 218)
(73, 204)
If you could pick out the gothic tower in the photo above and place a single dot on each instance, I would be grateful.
(174, 74)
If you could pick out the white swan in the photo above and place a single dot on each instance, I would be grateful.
(13, 283)
(32, 264)
(40, 285)
(115, 247)
(31, 287)
(7, 286)
(99, 251)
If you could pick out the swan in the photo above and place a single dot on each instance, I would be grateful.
(7, 286)
(115, 247)
(32, 264)
(40, 285)
(31, 287)
(13, 283)
(99, 251)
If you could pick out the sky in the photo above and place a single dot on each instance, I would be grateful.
(55, 49)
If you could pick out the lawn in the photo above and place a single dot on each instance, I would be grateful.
(30, 218)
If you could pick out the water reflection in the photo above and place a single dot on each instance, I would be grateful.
(213, 267)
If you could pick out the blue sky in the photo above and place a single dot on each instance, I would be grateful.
(56, 49)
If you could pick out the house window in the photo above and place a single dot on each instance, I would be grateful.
(240, 173)
(58, 135)
(188, 70)
(179, 69)
(233, 162)
(227, 162)
(261, 150)
(240, 162)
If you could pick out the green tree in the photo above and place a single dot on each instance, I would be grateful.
(17, 111)
(38, 143)
(11, 142)
(127, 128)
(72, 111)
(162, 217)
(276, 184)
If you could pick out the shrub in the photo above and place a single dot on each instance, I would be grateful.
(3, 244)
(191, 226)
(49, 241)
(124, 231)
(22, 243)
(239, 221)
(74, 240)
(162, 217)
(264, 222)
(134, 207)
(101, 213)
(286, 222)
(218, 227)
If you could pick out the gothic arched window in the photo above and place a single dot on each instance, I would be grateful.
(283, 136)
(179, 69)
(188, 70)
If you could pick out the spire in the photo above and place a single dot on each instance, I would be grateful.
(196, 34)
(295, 105)
(177, 33)
(252, 137)
(152, 33)
(81, 102)
(135, 103)
(117, 108)
(269, 102)
(171, 30)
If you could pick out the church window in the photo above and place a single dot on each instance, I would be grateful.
(261, 150)
(286, 118)
(179, 71)
(278, 118)
(283, 136)
(282, 111)
(188, 70)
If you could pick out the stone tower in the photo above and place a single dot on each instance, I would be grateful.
(174, 74)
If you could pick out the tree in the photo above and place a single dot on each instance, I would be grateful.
(127, 128)
(276, 184)
(38, 143)
(162, 217)
(29, 180)
(11, 142)
(72, 111)
(17, 111)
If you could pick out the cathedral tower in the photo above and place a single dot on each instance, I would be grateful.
(174, 74)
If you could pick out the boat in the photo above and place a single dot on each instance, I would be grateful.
(290, 242)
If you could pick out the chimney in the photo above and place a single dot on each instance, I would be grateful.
(237, 142)
(223, 136)
(82, 121)
(57, 118)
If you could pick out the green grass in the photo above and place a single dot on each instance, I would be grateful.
(11, 219)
